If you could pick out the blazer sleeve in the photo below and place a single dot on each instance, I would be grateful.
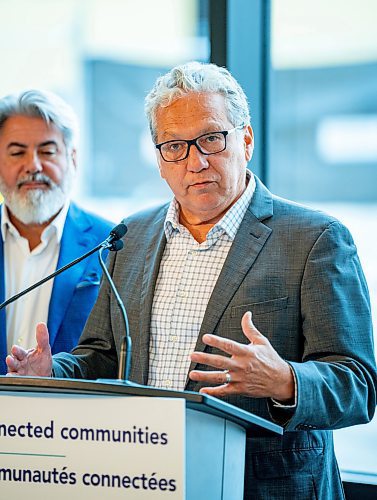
(337, 380)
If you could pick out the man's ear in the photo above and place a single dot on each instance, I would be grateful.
(249, 142)
(159, 161)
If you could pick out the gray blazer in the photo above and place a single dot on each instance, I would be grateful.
(297, 270)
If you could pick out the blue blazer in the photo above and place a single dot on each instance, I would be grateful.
(75, 290)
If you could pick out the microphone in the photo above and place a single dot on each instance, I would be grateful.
(114, 237)
(116, 244)
(112, 243)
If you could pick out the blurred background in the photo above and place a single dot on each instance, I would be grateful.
(309, 70)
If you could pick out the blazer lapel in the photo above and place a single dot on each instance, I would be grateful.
(75, 242)
(153, 258)
(249, 242)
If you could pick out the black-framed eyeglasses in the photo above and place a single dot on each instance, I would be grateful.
(208, 144)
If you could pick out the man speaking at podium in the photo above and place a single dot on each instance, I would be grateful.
(40, 228)
(192, 273)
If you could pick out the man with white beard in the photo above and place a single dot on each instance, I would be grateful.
(41, 230)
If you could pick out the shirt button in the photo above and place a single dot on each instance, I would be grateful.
(167, 383)
(182, 294)
(20, 341)
(174, 338)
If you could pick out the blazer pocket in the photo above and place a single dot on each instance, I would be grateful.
(283, 464)
(256, 308)
(91, 280)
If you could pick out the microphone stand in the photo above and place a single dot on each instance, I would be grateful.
(112, 243)
(126, 344)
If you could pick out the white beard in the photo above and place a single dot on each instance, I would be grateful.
(37, 206)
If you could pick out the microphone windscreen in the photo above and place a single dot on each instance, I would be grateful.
(116, 245)
(119, 231)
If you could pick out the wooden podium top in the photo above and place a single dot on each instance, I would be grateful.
(194, 400)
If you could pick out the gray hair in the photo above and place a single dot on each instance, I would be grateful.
(197, 77)
(42, 104)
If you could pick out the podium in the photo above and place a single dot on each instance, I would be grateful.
(211, 452)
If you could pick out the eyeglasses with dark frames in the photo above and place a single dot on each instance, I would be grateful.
(207, 144)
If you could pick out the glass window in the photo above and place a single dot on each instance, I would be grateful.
(102, 56)
(323, 141)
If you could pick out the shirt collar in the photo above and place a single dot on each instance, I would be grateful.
(229, 223)
(56, 226)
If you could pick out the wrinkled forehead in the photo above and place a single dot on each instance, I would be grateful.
(192, 111)
(30, 130)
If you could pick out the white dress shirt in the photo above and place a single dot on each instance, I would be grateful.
(22, 268)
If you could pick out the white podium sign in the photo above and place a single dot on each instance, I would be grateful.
(98, 447)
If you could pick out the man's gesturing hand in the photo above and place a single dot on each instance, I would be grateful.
(33, 362)
(254, 369)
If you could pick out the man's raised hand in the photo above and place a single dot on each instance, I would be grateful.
(35, 362)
